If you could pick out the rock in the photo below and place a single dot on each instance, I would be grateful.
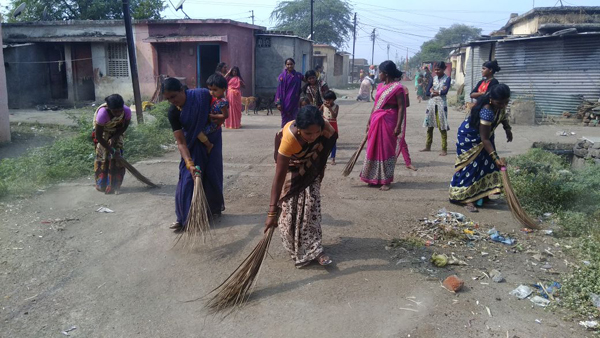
(453, 283)
(496, 276)
(580, 152)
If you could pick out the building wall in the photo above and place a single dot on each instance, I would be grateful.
(146, 59)
(107, 85)
(526, 27)
(63, 29)
(27, 75)
(329, 64)
(270, 60)
(476, 55)
(237, 51)
(4, 120)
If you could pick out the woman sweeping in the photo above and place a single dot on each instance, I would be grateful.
(302, 148)
(188, 116)
(287, 97)
(436, 115)
(366, 88)
(110, 123)
(386, 124)
(234, 96)
(477, 168)
(488, 70)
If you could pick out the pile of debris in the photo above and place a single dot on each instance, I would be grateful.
(451, 228)
(589, 112)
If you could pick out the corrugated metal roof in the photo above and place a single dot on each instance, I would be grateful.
(556, 73)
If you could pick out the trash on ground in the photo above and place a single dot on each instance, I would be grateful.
(447, 226)
(548, 232)
(439, 260)
(104, 210)
(496, 237)
(589, 324)
(595, 300)
(66, 332)
(496, 276)
(539, 301)
(453, 283)
(521, 292)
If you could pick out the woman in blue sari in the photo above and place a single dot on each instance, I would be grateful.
(477, 168)
(188, 116)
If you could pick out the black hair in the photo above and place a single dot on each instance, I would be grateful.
(114, 101)
(440, 65)
(308, 116)
(171, 85)
(220, 66)
(389, 67)
(492, 65)
(289, 59)
(329, 95)
(217, 80)
(498, 92)
(318, 67)
(309, 74)
(237, 69)
(305, 100)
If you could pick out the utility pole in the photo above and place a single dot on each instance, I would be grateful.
(133, 63)
(252, 16)
(373, 50)
(406, 60)
(388, 52)
(353, 47)
(312, 14)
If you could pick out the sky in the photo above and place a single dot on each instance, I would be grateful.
(401, 24)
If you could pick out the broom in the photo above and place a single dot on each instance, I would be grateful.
(236, 289)
(513, 203)
(354, 158)
(198, 220)
(134, 172)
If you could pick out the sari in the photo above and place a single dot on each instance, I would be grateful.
(108, 173)
(193, 119)
(234, 96)
(288, 95)
(380, 160)
(476, 174)
(299, 222)
(364, 94)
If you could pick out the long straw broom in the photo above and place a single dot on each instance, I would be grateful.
(350, 165)
(513, 203)
(135, 172)
(236, 289)
(198, 220)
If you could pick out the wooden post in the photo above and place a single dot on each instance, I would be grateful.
(133, 63)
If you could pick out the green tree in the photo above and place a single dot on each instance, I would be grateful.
(433, 50)
(332, 20)
(50, 10)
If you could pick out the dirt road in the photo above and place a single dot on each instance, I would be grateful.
(65, 265)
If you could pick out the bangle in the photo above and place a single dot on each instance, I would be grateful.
(189, 163)
(271, 214)
(113, 150)
(494, 156)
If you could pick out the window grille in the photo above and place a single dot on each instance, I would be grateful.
(118, 63)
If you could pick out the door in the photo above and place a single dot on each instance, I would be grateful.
(83, 72)
(57, 72)
(209, 57)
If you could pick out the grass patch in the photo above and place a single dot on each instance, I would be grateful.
(73, 156)
(545, 183)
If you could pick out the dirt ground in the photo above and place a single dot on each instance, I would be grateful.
(65, 265)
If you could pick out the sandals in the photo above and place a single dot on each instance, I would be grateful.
(323, 260)
(176, 227)
(471, 208)
(411, 167)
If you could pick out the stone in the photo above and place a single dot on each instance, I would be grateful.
(580, 152)
(594, 153)
(453, 283)
(522, 112)
(496, 276)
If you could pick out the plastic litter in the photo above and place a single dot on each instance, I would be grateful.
(496, 276)
(595, 300)
(496, 237)
(589, 324)
(548, 232)
(104, 210)
(539, 301)
(521, 292)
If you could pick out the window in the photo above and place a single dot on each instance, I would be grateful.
(118, 64)
(338, 65)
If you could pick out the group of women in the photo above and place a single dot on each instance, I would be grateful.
(304, 143)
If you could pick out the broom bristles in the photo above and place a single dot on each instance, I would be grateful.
(350, 165)
(236, 289)
(135, 173)
(513, 203)
(198, 220)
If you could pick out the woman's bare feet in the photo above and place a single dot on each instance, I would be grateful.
(424, 150)
(470, 207)
(443, 153)
(333, 161)
(411, 167)
(385, 187)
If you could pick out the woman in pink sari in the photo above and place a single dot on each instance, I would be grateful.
(234, 96)
(385, 128)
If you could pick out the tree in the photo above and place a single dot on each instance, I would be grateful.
(433, 50)
(332, 20)
(50, 10)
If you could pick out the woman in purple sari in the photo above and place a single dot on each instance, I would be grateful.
(385, 128)
(188, 116)
(287, 97)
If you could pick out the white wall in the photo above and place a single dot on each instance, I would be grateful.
(105, 85)
(4, 121)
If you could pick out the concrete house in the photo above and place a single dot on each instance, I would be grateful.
(335, 64)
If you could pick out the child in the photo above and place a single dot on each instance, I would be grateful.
(304, 102)
(217, 85)
(330, 113)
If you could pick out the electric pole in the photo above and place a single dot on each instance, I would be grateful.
(252, 16)
(353, 47)
(388, 52)
(312, 14)
(133, 63)
(373, 50)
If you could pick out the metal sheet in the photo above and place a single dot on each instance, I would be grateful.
(557, 73)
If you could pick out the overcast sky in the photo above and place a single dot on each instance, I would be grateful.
(400, 23)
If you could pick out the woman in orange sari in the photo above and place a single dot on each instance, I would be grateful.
(234, 96)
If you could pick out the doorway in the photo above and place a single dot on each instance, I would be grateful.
(209, 57)
(57, 72)
(83, 72)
